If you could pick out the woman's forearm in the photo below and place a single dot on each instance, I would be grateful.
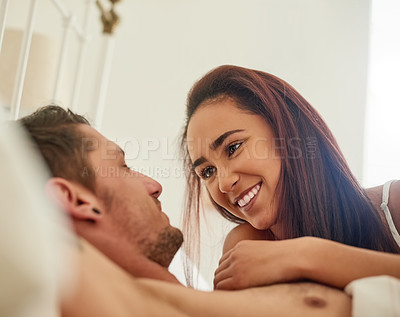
(337, 264)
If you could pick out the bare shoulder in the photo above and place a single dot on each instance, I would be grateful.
(104, 289)
(394, 203)
(375, 195)
(244, 232)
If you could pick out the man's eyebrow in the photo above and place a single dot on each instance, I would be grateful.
(217, 143)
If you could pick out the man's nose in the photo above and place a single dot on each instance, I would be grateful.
(153, 187)
(227, 180)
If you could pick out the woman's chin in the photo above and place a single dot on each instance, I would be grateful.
(260, 225)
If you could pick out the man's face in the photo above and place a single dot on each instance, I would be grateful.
(132, 217)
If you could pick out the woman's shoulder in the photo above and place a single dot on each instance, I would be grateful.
(245, 232)
(375, 195)
(394, 203)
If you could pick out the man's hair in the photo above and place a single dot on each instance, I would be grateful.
(56, 133)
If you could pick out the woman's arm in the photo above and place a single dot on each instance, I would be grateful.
(255, 263)
(252, 263)
(338, 264)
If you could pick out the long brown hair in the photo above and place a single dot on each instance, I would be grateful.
(317, 193)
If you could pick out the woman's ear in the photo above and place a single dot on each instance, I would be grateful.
(77, 201)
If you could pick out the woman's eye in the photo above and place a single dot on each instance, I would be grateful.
(207, 172)
(231, 149)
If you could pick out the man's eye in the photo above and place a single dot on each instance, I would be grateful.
(232, 148)
(207, 172)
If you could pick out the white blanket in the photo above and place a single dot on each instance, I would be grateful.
(377, 296)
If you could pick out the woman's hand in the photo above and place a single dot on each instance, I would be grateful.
(254, 263)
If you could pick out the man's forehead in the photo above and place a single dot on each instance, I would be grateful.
(90, 132)
(94, 141)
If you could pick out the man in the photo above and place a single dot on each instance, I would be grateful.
(111, 206)
(117, 211)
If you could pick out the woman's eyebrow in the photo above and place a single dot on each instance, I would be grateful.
(217, 143)
(198, 162)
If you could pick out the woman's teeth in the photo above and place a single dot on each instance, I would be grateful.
(249, 196)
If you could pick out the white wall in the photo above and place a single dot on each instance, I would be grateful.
(320, 47)
(382, 152)
(163, 46)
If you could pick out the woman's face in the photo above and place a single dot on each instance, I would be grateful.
(235, 154)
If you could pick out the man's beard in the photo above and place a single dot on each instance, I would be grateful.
(163, 250)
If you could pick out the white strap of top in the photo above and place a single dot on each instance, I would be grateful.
(385, 208)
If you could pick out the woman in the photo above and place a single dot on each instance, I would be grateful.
(270, 163)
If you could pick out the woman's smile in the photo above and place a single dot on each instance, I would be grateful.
(248, 196)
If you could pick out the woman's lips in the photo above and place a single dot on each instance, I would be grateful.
(249, 196)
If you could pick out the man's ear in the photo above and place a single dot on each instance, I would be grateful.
(73, 198)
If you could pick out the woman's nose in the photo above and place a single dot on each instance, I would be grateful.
(227, 180)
